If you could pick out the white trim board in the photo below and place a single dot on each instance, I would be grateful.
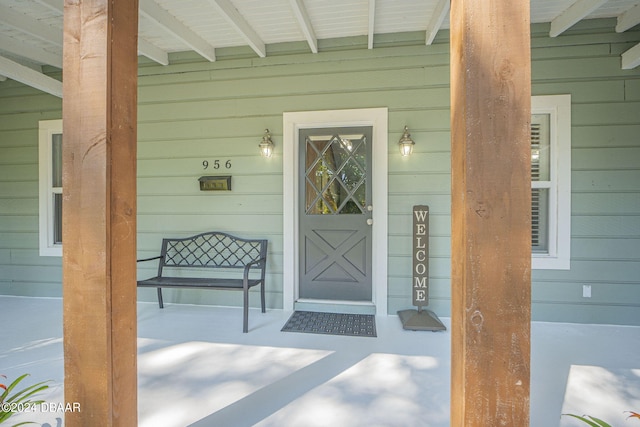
(292, 123)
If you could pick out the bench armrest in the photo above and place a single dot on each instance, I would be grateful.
(248, 266)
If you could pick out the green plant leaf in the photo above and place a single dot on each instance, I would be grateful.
(24, 394)
(593, 422)
(20, 396)
(598, 420)
(12, 386)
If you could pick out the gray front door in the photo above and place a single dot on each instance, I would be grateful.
(335, 214)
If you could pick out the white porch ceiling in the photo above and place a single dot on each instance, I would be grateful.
(31, 30)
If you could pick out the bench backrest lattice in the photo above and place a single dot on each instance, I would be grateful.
(213, 249)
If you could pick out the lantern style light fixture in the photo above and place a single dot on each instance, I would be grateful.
(406, 143)
(266, 145)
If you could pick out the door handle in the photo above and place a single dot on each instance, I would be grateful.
(369, 221)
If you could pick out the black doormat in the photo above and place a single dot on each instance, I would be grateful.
(360, 325)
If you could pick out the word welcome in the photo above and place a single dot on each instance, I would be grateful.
(420, 255)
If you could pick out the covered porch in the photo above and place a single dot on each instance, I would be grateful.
(195, 367)
(137, 140)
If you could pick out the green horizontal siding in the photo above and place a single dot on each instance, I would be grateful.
(193, 111)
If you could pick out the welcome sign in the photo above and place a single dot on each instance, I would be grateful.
(420, 319)
(420, 255)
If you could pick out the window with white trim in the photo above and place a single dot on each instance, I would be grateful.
(551, 182)
(50, 188)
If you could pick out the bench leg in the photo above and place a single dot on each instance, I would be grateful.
(245, 320)
(262, 296)
(160, 304)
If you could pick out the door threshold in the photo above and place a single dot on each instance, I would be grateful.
(334, 306)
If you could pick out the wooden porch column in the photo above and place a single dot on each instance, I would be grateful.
(99, 216)
(491, 209)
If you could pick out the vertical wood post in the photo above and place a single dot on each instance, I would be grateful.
(491, 209)
(99, 216)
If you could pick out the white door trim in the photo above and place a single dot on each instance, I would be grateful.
(292, 123)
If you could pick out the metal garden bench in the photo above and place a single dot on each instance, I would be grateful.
(182, 262)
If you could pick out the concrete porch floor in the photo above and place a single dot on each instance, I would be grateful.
(196, 368)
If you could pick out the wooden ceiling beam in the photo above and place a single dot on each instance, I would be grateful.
(300, 12)
(372, 23)
(153, 52)
(572, 15)
(437, 18)
(237, 21)
(631, 58)
(149, 9)
(628, 19)
(29, 77)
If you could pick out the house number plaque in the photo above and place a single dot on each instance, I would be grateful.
(216, 164)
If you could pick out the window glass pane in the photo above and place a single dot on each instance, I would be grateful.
(57, 219)
(540, 220)
(317, 176)
(56, 160)
(335, 174)
(540, 148)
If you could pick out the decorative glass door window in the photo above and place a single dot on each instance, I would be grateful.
(335, 174)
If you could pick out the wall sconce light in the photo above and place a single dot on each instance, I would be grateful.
(266, 145)
(406, 143)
